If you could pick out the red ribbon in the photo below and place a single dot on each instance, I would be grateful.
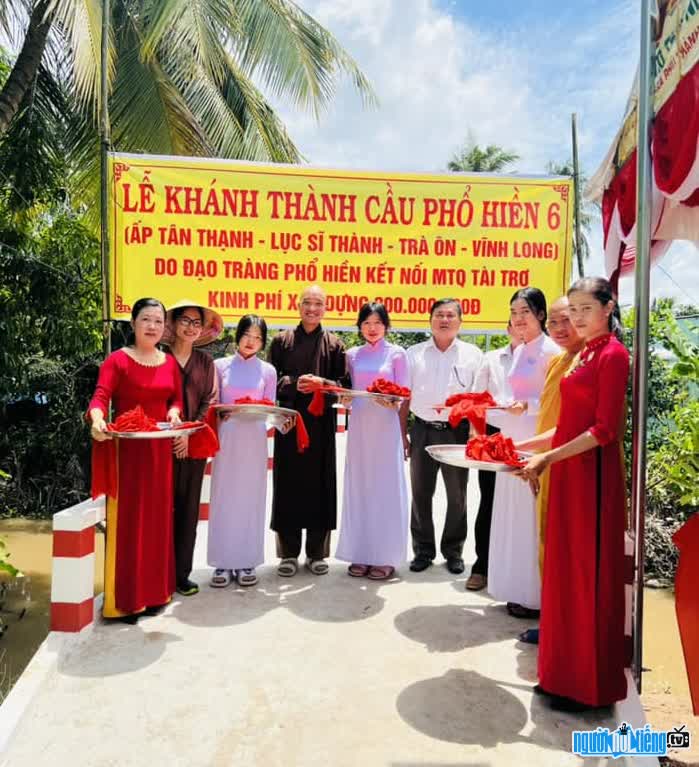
(496, 449)
(471, 406)
(317, 406)
(303, 441)
(134, 420)
(383, 386)
(252, 401)
(202, 443)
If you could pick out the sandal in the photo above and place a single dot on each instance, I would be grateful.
(381, 573)
(358, 571)
(317, 566)
(246, 577)
(520, 611)
(221, 578)
(287, 568)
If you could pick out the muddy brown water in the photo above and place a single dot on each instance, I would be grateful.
(25, 601)
(665, 688)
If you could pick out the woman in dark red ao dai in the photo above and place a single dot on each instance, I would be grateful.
(581, 646)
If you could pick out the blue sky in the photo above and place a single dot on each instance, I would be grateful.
(505, 72)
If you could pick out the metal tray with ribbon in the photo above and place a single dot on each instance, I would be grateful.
(455, 455)
(165, 431)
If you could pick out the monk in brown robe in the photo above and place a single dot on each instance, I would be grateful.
(305, 488)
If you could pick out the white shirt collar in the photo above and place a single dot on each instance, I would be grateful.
(434, 346)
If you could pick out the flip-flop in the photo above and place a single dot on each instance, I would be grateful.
(317, 566)
(246, 577)
(381, 573)
(221, 578)
(530, 636)
(358, 571)
(287, 567)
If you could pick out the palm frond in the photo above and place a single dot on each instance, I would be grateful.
(13, 19)
(200, 28)
(471, 158)
(294, 56)
(32, 150)
(148, 112)
(81, 22)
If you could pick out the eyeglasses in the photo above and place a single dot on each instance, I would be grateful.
(188, 322)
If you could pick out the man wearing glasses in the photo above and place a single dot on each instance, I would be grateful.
(440, 367)
(305, 496)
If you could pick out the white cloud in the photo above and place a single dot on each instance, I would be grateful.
(439, 76)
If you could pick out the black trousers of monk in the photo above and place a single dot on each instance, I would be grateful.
(188, 475)
(423, 480)
(486, 484)
(317, 544)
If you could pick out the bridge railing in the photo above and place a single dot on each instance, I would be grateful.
(73, 566)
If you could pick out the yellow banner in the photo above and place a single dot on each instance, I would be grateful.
(245, 238)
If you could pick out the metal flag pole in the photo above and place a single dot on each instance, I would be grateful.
(576, 185)
(104, 177)
(640, 343)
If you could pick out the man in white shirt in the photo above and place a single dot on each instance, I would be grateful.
(491, 377)
(438, 368)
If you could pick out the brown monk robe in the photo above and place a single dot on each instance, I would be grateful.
(305, 494)
(189, 325)
(199, 391)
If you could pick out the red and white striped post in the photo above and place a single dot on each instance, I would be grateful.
(73, 569)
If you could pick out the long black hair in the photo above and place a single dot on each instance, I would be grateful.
(251, 321)
(138, 307)
(601, 290)
(536, 301)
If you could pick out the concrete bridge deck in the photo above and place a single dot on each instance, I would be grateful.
(326, 671)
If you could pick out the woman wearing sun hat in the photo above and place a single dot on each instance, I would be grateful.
(189, 325)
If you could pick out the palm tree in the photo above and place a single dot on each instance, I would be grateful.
(588, 212)
(185, 77)
(472, 159)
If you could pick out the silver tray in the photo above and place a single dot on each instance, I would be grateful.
(363, 394)
(272, 416)
(166, 432)
(455, 455)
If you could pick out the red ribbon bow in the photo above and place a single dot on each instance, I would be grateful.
(471, 406)
(383, 386)
(496, 448)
